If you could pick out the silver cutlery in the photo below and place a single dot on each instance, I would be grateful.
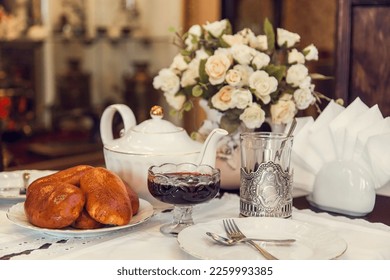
(235, 233)
(229, 242)
(26, 178)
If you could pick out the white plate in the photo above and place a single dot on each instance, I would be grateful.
(12, 181)
(16, 215)
(312, 242)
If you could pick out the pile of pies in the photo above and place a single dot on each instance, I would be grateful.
(83, 197)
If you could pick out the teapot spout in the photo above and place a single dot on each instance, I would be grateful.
(209, 150)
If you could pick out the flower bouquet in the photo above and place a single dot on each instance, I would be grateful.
(241, 79)
(244, 77)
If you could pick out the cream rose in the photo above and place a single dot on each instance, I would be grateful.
(259, 42)
(294, 56)
(167, 81)
(242, 54)
(260, 60)
(245, 72)
(216, 28)
(312, 52)
(296, 74)
(232, 40)
(303, 98)
(284, 36)
(216, 68)
(192, 39)
(242, 98)
(283, 111)
(190, 75)
(263, 85)
(223, 99)
(179, 63)
(253, 116)
(233, 77)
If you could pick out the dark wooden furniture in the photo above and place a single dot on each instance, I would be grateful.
(363, 52)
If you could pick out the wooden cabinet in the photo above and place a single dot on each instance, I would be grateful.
(363, 52)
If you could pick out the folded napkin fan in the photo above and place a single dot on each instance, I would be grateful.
(344, 152)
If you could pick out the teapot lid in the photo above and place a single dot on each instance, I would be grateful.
(155, 136)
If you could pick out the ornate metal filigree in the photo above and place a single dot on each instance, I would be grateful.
(266, 192)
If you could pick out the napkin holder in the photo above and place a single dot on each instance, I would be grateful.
(337, 157)
(344, 187)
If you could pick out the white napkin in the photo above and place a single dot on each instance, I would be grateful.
(364, 121)
(320, 137)
(339, 124)
(377, 151)
(381, 127)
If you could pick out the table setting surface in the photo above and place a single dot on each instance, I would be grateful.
(144, 241)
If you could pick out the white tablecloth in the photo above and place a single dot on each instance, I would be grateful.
(145, 242)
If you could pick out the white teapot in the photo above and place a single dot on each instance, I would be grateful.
(152, 142)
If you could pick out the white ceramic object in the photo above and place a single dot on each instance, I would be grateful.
(344, 187)
(152, 142)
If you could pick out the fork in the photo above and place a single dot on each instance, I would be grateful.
(235, 233)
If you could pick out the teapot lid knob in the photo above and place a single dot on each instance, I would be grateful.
(156, 112)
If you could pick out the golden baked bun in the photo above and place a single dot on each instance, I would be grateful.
(134, 198)
(107, 200)
(85, 221)
(70, 175)
(53, 204)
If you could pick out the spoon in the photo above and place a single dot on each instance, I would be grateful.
(229, 242)
(26, 178)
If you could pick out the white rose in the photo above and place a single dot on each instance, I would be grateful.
(296, 57)
(303, 98)
(306, 83)
(179, 63)
(284, 36)
(225, 51)
(233, 77)
(312, 52)
(245, 72)
(175, 101)
(260, 60)
(242, 54)
(223, 99)
(259, 42)
(253, 116)
(263, 84)
(167, 81)
(201, 54)
(233, 39)
(190, 75)
(216, 28)
(296, 74)
(192, 39)
(216, 68)
(195, 30)
(283, 111)
(242, 98)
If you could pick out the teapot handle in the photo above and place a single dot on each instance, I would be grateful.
(106, 121)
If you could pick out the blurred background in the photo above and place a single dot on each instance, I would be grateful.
(62, 62)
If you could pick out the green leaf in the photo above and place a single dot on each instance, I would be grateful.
(316, 76)
(270, 33)
(203, 77)
(277, 71)
(171, 29)
(187, 106)
(197, 91)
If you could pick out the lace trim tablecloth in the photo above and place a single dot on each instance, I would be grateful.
(365, 240)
